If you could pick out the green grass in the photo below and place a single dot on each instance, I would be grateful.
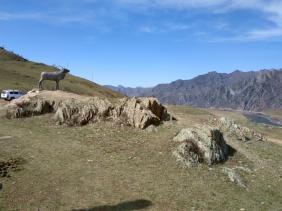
(17, 73)
(105, 164)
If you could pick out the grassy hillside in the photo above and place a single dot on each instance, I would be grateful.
(103, 166)
(19, 73)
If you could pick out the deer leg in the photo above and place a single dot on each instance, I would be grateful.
(40, 84)
(57, 85)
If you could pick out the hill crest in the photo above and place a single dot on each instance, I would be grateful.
(19, 73)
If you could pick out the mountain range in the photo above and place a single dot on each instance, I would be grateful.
(252, 91)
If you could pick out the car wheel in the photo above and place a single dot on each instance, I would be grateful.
(12, 98)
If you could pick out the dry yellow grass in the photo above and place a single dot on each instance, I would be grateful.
(113, 166)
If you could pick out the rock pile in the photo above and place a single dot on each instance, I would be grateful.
(239, 131)
(205, 145)
(76, 110)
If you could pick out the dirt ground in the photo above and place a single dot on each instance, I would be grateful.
(108, 167)
(3, 102)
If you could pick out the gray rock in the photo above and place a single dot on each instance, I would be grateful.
(152, 129)
(239, 131)
(142, 112)
(234, 177)
(205, 145)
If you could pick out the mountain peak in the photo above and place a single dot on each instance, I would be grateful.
(213, 73)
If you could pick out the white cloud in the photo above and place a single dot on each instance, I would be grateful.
(180, 4)
(17, 16)
(271, 10)
(146, 29)
(184, 4)
(164, 27)
(55, 18)
(176, 26)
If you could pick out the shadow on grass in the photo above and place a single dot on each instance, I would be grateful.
(124, 206)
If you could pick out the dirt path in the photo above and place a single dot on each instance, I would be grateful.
(275, 141)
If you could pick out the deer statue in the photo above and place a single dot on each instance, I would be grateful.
(53, 76)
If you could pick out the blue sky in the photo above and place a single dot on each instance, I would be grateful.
(145, 42)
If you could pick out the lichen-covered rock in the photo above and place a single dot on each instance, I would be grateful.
(205, 145)
(239, 131)
(75, 113)
(142, 112)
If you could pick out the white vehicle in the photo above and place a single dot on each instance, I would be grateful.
(11, 94)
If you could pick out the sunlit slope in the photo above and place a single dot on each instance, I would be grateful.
(18, 73)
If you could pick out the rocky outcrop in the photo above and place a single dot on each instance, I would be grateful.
(142, 112)
(76, 113)
(76, 110)
(205, 145)
(32, 104)
(137, 112)
(238, 131)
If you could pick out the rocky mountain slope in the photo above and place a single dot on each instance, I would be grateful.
(238, 90)
(130, 92)
(19, 73)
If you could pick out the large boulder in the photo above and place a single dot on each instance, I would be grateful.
(201, 145)
(77, 110)
(238, 131)
(142, 112)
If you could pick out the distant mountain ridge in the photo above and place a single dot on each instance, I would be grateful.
(130, 92)
(253, 91)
